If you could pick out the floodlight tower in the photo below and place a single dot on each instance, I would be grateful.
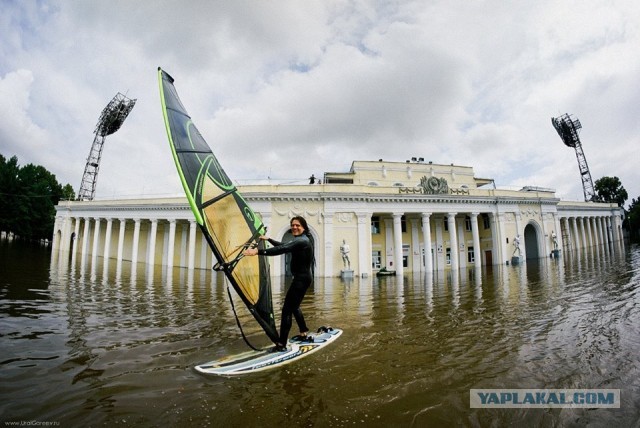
(567, 128)
(109, 122)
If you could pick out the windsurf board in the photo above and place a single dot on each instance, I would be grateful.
(256, 361)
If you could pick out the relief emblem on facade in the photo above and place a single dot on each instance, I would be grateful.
(434, 185)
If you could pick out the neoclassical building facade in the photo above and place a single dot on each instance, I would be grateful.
(402, 216)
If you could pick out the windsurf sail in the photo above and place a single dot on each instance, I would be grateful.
(226, 220)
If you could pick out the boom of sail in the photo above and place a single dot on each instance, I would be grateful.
(226, 220)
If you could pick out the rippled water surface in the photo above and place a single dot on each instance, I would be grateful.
(111, 345)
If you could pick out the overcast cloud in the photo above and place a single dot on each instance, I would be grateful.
(284, 89)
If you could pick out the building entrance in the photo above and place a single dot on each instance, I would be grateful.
(531, 242)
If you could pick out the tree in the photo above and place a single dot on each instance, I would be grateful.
(609, 189)
(9, 189)
(29, 195)
(67, 193)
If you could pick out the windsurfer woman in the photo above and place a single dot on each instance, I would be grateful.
(302, 267)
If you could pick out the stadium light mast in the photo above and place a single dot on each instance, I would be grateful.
(109, 122)
(567, 127)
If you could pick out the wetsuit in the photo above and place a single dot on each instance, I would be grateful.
(301, 251)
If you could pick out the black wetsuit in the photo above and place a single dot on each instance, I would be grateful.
(301, 251)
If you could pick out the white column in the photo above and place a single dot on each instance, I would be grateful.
(151, 251)
(192, 244)
(476, 239)
(594, 230)
(583, 232)
(587, 226)
(616, 224)
(426, 237)
(504, 255)
(397, 243)
(85, 237)
(567, 228)
(601, 231)
(123, 224)
(107, 238)
(172, 242)
(204, 251)
(609, 230)
(136, 241)
(389, 259)
(183, 245)
(364, 244)
(416, 254)
(576, 236)
(96, 236)
(453, 239)
(58, 244)
(76, 233)
(462, 244)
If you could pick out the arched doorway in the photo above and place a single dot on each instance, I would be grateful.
(531, 242)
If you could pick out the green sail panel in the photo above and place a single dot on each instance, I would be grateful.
(226, 220)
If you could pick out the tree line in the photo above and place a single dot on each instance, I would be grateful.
(28, 196)
(610, 189)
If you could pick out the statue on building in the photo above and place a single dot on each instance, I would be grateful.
(554, 239)
(344, 252)
(516, 244)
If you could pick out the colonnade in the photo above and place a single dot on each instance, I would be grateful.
(152, 241)
(580, 232)
(162, 233)
(440, 239)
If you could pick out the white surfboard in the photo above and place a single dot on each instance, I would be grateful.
(255, 361)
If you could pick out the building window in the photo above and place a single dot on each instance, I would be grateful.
(375, 225)
(486, 221)
(467, 223)
(448, 256)
(403, 224)
(471, 256)
(376, 258)
(446, 224)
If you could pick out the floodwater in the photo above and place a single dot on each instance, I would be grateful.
(111, 346)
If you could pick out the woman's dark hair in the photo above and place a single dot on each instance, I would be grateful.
(302, 222)
(306, 232)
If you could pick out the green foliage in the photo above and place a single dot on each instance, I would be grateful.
(68, 193)
(28, 198)
(609, 189)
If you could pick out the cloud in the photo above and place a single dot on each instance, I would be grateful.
(18, 132)
(286, 89)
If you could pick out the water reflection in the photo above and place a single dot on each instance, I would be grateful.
(107, 342)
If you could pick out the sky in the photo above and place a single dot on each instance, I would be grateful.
(285, 89)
